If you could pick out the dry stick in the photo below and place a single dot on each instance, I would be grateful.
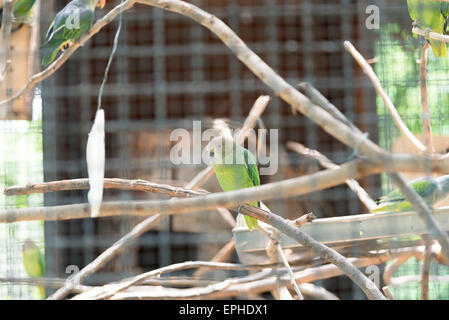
(259, 286)
(326, 163)
(425, 272)
(222, 255)
(109, 183)
(5, 32)
(394, 265)
(430, 35)
(254, 114)
(109, 290)
(268, 284)
(427, 128)
(289, 270)
(276, 190)
(38, 77)
(317, 98)
(388, 293)
(423, 212)
(366, 68)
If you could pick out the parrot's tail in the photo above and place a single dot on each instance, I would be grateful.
(438, 48)
(49, 51)
(251, 222)
(42, 293)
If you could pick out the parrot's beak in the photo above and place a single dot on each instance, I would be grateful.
(210, 150)
(101, 3)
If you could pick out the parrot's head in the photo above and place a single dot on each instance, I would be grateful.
(28, 245)
(219, 147)
(101, 3)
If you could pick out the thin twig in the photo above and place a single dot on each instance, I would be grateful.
(368, 70)
(425, 272)
(305, 218)
(326, 163)
(290, 272)
(427, 128)
(388, 293)
(394, 265)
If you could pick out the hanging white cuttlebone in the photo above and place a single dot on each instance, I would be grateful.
(95, 156)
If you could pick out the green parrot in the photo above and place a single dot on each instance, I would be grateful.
(431, 15)
(22, 13)
(69, 24)
(432, 190)
(235, 168)
(34, 262)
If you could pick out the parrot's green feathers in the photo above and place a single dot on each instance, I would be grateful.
(69, 24)
(430, 189)
(34, 262)
(431, 15)
(234, 170)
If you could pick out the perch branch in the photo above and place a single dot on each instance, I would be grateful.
(276, 190)
(326, 163)
(109, 183)
(430, 35)
(368, 70)
(427, 128)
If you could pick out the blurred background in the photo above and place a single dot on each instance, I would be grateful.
(170, 71)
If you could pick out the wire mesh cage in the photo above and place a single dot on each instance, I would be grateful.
(170, 73)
